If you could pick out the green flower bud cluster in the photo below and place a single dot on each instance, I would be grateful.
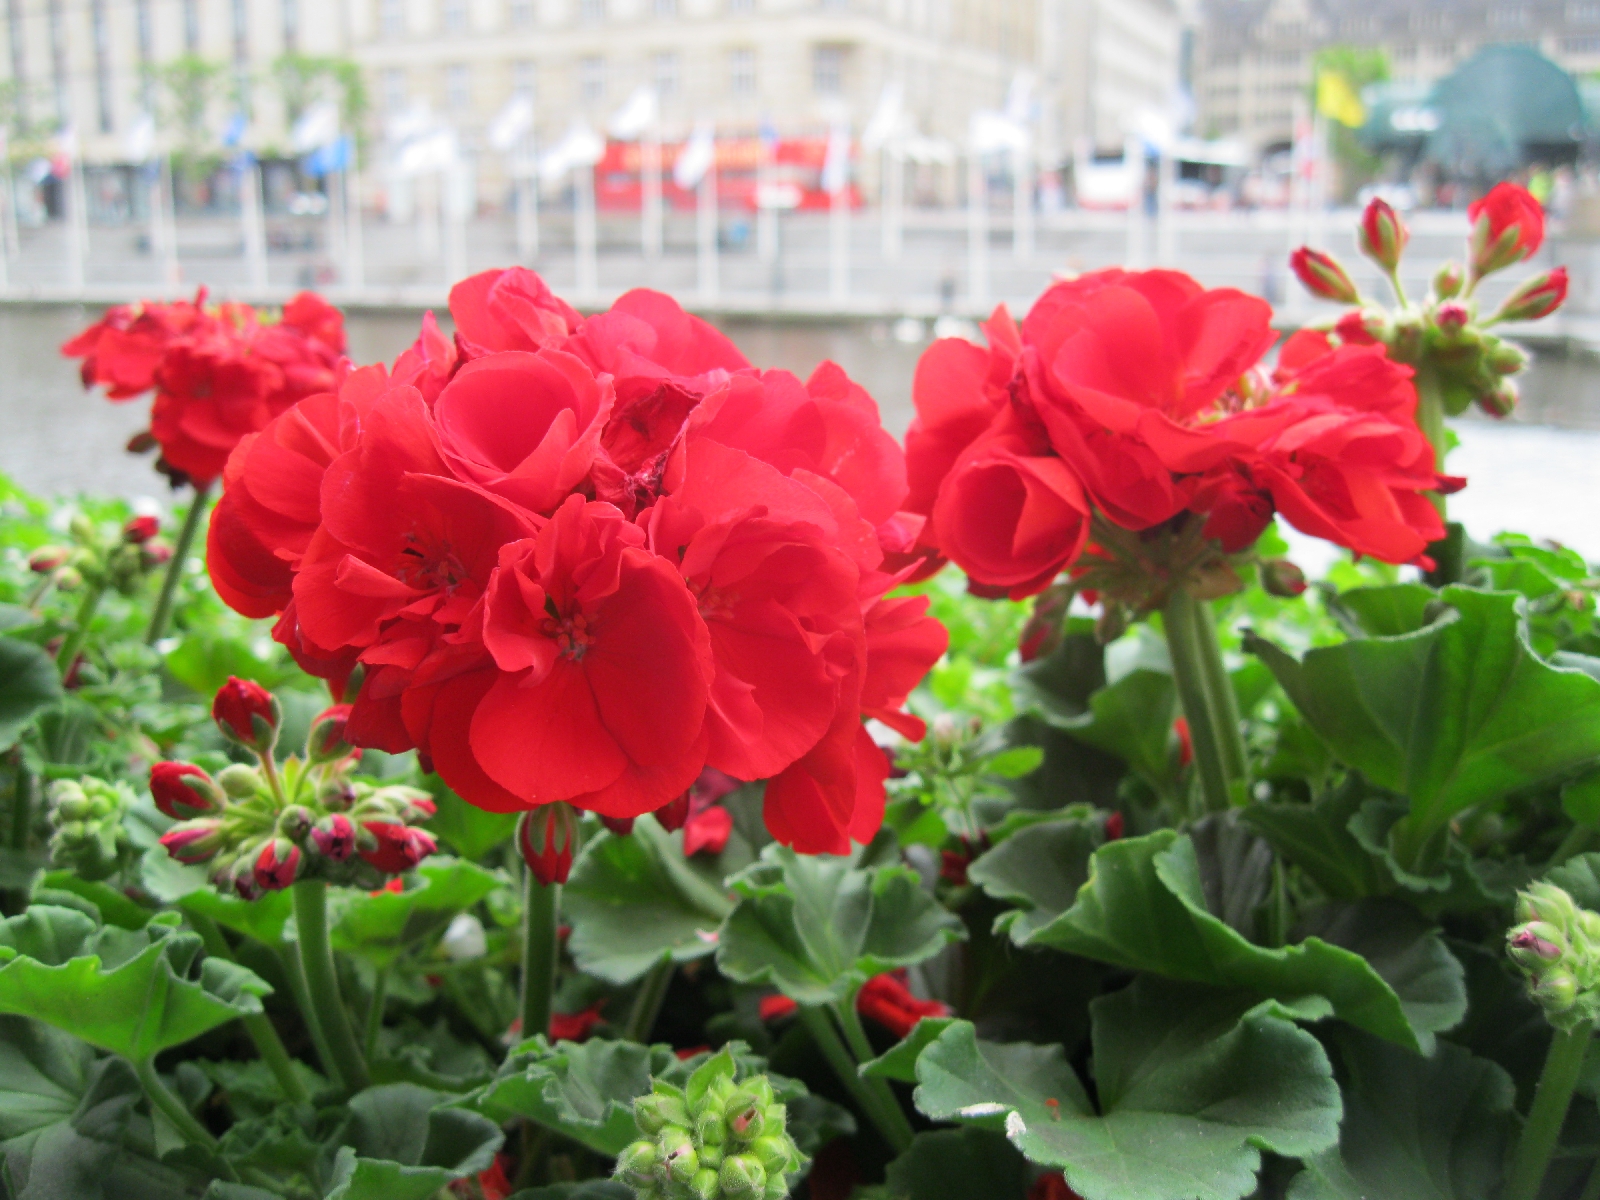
(1474, 366)
(86, 829)
(713, 1139)
(97, 556)
(1557, 946)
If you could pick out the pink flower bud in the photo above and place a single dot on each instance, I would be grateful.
(140, 530)
(1501, 401)
(1280, 577)
(277, 865)
(546, 837)
(47, 558)
(334, 837)
(1451, 317)
(182, 790)
(193, 841)
(1538, 297)
(1383, 235)
(1321, 275)
(673, 814)
(246, 712)
(156, 552)
(399, 847)
(1526, 939)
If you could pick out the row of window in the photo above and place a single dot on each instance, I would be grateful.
(827, 77)
(455, 16)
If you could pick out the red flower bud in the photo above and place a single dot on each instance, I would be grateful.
(545, 838)
(400, 847)
(1383, 235)
(1114, 827)
(277, 865)
(673, 814)
(1180, 726)
(326, 741)
(776, 1007)
(1447, 281)
(334, 837)
(183, 791)
(1321, 275)
(246, 712)
(887, 1001)
(1280, 577)
(707, 830)
(1501, 401)
(47, 558)
(1538, 297)
(140, 530)
(1507, 227)
(1362, 327)
(621, 826)
(156, 552)
(193, 841)
(1451, 317)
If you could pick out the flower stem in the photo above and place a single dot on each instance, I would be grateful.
(894, 1128)
(856, 1037)
(380, 993)
(72, 644)
(1219, 688)
(308, 1014)
(21, 801)
(258, 1025)
(171, 1107)
(180, 555)
(647, 1004)
(1562, 1066)
(541, 910)
(322, 983)
(1430, 420)
(1186, 645)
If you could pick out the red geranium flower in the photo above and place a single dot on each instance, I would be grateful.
(1507, 227)
(886, 1000)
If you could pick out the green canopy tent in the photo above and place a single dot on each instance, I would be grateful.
(1503, 108)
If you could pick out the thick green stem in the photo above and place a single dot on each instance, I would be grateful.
(258, 1025)
(856, 1037)
(1430, 420)
(1562, 1066)
(380, 993)
(540, 913)
(72, 644)
(647, 1004)
(180, 556)
(1219, 689)
(322, 983)
(894, 1127)
(1185, 644)
(171, 1107)
(308, 1014)
(21, 802)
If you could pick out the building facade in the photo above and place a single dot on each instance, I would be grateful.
(1253, 59)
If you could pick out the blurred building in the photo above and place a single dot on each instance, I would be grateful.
(1253, 58)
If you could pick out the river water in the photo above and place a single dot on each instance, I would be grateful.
(1538, 473)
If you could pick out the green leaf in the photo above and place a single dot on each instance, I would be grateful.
(204, 660)
(589, 1189)
(114, 907)
(899, 1062)
(172, 882)
(132, 993)
(43, 1075)
(1459, 713)
(1580, 877)
(582, 1090)
(1040, 867)
(1580, 799)
(1316, 837)
(1414, 1128)
(635, 901)
(1386, 611)
(28, 683)
(1192, 1085)
(1016, 762)
(817, 927)
(1144, 908)
(380, 926)
(404, 1142)
(472, 831)
(959, 1164)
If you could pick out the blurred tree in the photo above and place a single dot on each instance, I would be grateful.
(304, 79)
(1338, 74)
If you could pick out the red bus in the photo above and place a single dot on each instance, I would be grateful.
(795, 161)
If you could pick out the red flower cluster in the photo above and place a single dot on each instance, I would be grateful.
(1139, 397)
(219, 372)
(583, 559)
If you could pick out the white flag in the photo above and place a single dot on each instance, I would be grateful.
(886, 118)
(582, 147)
(317, 126)
(696, 158)
(511, 122)
(140, 140)
(836, 163)
(636, 115)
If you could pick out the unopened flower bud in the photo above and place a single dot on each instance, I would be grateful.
(334, 836)
(326, 741)
(81, 528)
(1536, 298)
(706, 1184)
(621, 826)
(546, 838)
(742, 1175)
(674, 814)
(1112, 622)
(242, 877)
(68, 579)
(239, 780)
(247, 713)
(1323, 276)
(636, 1164)
(1280, 577)
(1363, 326)
(1532, 945)
(139, 530)
(1447, 280)
(399, 847)
(1505, 359)
(193, 841)
(1500, 401)
(277, 865)
(1452, 317)
(157, 552)
(295, 822)
(47, 558)
(1383, 234)
(182, 790)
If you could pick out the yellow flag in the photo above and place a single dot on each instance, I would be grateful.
(1338, 101)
